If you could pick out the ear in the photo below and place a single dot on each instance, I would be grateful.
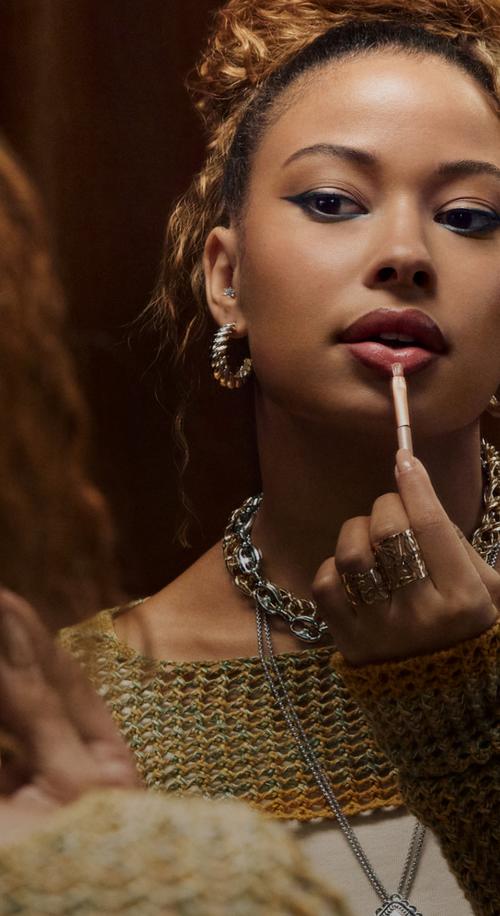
(220, 266)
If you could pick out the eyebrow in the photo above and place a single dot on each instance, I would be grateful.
(465, 167)
(460, 168)
(349, 153)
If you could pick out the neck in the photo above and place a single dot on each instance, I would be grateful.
(314, 481)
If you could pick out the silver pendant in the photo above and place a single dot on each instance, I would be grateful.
(397, 906)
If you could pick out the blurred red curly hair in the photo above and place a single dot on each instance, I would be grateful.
(56, 537)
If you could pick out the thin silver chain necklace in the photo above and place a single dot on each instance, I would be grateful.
(243, 561)
(392, 904)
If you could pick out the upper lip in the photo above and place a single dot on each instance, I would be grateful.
(410, 322)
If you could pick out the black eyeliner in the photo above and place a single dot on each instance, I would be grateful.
(304, 200)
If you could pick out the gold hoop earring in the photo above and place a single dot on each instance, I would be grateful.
(219, 361)
(494, 407)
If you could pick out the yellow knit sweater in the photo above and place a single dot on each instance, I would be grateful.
(426, 727)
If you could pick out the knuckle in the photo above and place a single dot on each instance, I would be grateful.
(353, 529)
(426, 520)
(352, 558)
(387, 502)
(324, 582)
(326, 570)
(383, 530)
(466, 602)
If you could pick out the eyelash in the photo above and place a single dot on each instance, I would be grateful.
(305, 201)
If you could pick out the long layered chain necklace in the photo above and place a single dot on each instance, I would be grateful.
(243, 560)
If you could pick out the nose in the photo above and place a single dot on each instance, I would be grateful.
(402, 263)
(400, 273)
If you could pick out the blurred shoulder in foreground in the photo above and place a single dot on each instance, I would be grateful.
(114, 850)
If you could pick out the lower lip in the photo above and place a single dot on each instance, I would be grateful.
(381, 358)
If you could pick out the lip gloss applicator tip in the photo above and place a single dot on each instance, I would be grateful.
(400, 396)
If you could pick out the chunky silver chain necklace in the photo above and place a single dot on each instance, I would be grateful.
(243, 561)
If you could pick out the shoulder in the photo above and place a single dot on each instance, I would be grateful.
(98, 624)
(199, 616)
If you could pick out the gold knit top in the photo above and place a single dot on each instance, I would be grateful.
(213, 728)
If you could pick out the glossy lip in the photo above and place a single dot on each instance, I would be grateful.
(429, 340)
(381, 358)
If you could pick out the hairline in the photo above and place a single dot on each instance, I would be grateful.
(286, 97)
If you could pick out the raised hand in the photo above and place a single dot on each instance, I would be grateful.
(57, 739)
(392, 599)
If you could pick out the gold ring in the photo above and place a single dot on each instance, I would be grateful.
(365, 587)
(400, 560)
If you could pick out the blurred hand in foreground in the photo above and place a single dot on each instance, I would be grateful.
(57, 739)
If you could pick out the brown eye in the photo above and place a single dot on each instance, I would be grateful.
(328, 205)
(467, 221)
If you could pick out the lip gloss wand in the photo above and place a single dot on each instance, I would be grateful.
(399, 393)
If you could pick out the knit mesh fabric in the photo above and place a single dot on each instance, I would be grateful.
(213, 729)
(425, 729)
(437, 718)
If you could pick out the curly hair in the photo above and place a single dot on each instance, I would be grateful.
(255, 51)
(56, 538)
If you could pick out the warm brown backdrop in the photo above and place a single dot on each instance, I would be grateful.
(92, 99)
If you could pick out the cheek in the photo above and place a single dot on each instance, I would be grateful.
(293, 279)
(477, 325)
(472, 372)
(288, 295)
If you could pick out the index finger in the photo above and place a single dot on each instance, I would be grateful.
(445, 556)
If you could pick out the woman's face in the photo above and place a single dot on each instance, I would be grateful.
(363, 197)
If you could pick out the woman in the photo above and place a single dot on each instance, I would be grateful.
(56, 541)
(346, 220)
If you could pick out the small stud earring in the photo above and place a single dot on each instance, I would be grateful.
(494, 406)
(230, 292)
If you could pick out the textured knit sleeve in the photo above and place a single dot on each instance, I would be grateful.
(437, 719)
(133, 852)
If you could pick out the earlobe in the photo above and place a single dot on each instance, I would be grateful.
(220, 265)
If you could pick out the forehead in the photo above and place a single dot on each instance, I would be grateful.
(401, 107)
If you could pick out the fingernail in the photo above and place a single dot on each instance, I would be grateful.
(404, 460)
(14, 642)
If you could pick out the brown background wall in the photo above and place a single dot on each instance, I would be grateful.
(92, 99)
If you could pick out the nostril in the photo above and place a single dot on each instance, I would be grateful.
(420, 278)
(386, 273)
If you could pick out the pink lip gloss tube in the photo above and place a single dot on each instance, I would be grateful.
(400, 395)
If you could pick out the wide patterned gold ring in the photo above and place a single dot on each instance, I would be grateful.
(366, 587)
(399, 559)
